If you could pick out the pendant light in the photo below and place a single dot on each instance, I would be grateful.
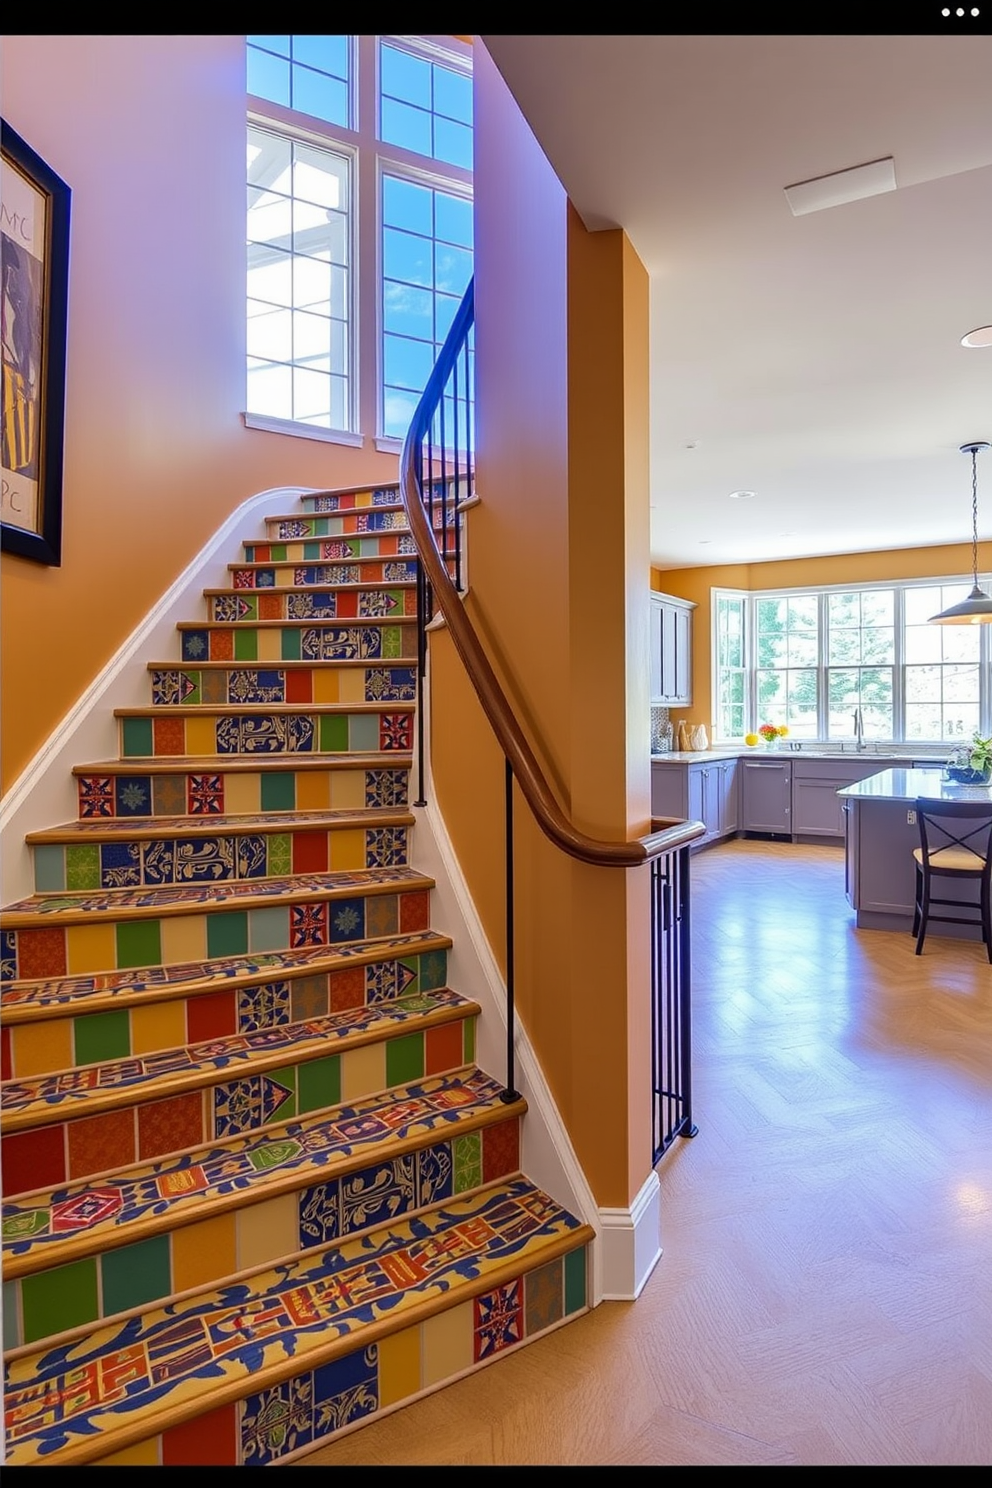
(977, 608)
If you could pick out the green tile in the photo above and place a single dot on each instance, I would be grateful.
(246, 645)
(251, 600)
(280, 854)
(392, 641)
(575, 1280)
(333, 733)
(227, 934)
(363, 732)
(321, 527)
(135, 1274)
(289, 1078)
(11, 1316)
(311, 552)
(319, 1084)
(268, 929)
(290, 642)
(101, 1036)
(139, 943)
(82, 867)
(196, 695)
(277, 553)
(468, 1040)
(405, 1059)
(136, 736)
(466, 1161)
(278, 790)
(433, 970)
(65, 1297)
(49, 869)
(412, 963)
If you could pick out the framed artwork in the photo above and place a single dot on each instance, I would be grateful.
(34, 264)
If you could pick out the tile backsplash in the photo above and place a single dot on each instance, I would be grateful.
(661, 731)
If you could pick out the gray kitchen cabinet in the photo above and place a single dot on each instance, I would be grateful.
(705, 792)
(766, 795)
(671, 650)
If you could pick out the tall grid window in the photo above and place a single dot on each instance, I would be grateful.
(324, 296)
(811, 659)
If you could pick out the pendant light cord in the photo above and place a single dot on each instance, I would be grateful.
(974, 515)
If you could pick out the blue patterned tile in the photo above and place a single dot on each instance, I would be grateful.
(273, 733)
(263, 1007)
(195, 645)
(96, 796)
(277, 1421)
(120, 865)
(158, 863)
(133, 795)
(347, 920)
(8, 955)
(320, 1214)
(345, 1390)
(385, 846)
(435, 1174)
(386, 787)
(498, 1320)
(204, 860)
(378, 1194)
(251, 856)
(385, 980)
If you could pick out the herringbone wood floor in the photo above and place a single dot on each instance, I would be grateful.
(825, 1293)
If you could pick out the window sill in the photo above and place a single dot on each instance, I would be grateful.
(302, 431)
(389, 446)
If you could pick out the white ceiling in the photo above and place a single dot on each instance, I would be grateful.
(814, 360)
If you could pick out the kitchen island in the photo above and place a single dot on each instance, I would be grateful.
(881, 833)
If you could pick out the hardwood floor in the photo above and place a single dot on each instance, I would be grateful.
(825, 1293)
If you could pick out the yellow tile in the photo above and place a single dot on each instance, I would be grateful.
(326, 684)
(39, 1048)
(242, 793)
(268, 1231)
(347, 850)
(160, 1025)
(399, 1366)
(270, 645)
(347, 789)
(284, 578)
(363, 498)
(313, 790)
(141, 1454)
(447, 1343)
(204, 1252)
(363, 1071)
(184, 938)
(91, 948)
(201, 735)
(352, 687)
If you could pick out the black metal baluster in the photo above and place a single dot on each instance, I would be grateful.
(510, 1093)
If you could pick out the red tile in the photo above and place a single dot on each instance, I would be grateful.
(168, 736)
(41, 953)
(347, 605)
(409, 601)
(6, 1067)
(370, 573)
(261, 553)
(388, 546)
(299, 685)
(210, 1017)
(221, 645)
(500, 1150)
(270, 607)
(309, 852)
(99, 1143)
(210, 1440)
(415, 912)
(347, 989)
(33, 1159)
(169, 1125)
(443, 1048)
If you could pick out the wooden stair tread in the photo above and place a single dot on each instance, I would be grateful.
(212, 764)
(237, 710)
(365, 663)
(267, 1327)
(41, 910)
(30, 1000)
(152, 1197)
(121, 828)
(88, 1089)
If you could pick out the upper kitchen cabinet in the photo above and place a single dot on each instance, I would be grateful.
(671, 650)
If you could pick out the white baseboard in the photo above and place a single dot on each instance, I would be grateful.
(631, 1243)
(44, 794)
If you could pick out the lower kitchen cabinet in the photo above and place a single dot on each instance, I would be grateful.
(766, 795)
(705, 792)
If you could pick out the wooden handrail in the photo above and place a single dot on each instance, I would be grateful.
(529, 775)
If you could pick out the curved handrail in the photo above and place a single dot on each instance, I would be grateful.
(523, 762)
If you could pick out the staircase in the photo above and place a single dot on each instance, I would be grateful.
(256, 1189)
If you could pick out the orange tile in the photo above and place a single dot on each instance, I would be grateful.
(270, 606)
(169, 1125)
(221, 645)
(203, 1253)
(41, 953)
(169, 735)
(415, 911)
(442, 1048)
(314, 790)
(347, 850)
(100, 1143)
(347, 989)
(399, 1366)
(40, 1048)
(326, 685)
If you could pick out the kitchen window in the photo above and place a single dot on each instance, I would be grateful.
(811, 658)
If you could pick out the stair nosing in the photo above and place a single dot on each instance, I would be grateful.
(120, 828)
(199, 764)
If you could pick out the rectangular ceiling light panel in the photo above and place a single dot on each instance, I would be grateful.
(843, 186)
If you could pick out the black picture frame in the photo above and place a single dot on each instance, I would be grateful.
(34, 262)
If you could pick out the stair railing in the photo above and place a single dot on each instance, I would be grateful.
(436, 478)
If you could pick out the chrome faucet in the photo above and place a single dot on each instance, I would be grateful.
(859, 730)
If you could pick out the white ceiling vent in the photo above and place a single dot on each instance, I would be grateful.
(843, 186)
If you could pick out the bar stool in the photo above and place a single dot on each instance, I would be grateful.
(955, 845)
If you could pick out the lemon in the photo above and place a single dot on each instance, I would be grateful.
(782, 730)
(751, 739)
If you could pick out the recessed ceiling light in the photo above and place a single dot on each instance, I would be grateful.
(980, 337)
(741, 495)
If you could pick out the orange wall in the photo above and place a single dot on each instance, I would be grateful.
(149, 133)
(551, 547)
(794, 573)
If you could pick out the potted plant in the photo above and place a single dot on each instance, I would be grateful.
(771, 733)
(972, 765)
